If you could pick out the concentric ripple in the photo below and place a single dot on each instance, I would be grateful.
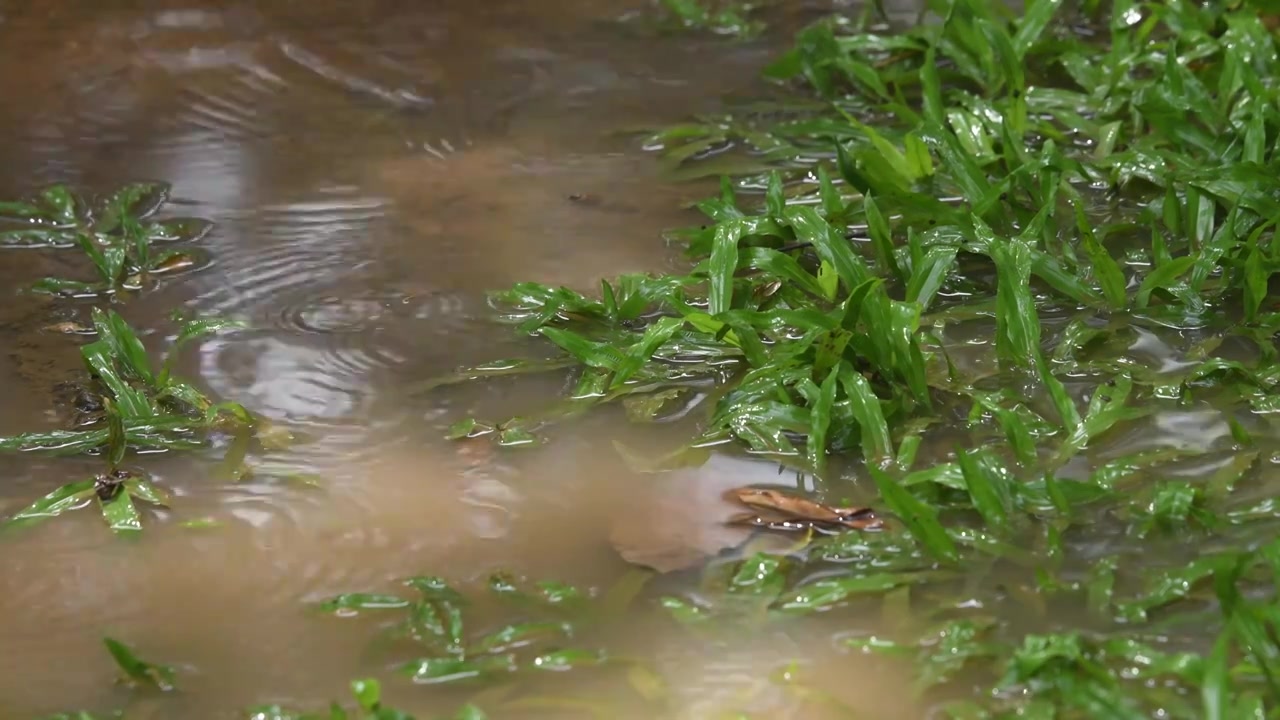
(328, 316)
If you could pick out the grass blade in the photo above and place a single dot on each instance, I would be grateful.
(123, 344)
(876, 443)
(137, 670)
(829, 243)
(724, 261)
(1035, 18)
(1105, 268)
(881, 238)
(132, 403)
(920, 519)
(820, 421)
(588, 352)
(990, 487)
(67, 497)
(1017, 325)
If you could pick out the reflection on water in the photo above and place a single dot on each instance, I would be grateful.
(373, 167)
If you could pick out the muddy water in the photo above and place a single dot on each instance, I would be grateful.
(373, 167)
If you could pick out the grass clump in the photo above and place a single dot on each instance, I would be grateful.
(129, 403)
(115, 232)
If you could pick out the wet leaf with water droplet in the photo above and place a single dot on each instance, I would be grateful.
(120, 513)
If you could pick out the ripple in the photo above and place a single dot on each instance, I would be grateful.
(396, 95)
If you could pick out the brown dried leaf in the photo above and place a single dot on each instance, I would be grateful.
(793, 508)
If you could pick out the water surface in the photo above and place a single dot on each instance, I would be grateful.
(373, 168)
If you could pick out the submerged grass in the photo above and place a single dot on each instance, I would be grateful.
(1055, 181)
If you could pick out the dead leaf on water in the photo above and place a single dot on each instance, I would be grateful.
(785, 511)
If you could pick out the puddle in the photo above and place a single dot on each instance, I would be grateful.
(373, 169)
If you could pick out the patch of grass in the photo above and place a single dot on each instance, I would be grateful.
(129, 403)
(1061, 184)
(115, 232)
(435, 620)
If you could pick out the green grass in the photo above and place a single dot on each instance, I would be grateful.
(115, 232)
(128, 401)
(1061, 179)
(143, 407)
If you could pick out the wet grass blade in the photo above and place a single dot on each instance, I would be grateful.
(68, 497)
(829, 243)
(1215, 687)
(1035, 19)
(783, 266)
(191, 330)
(132, 403)
(60, 204)
(107, 260)
(655, 336)
(832, 203)
(588, 352)
(1105, 269)
(877, 445)
(820, 418)
(61, 441)
(881, 238)
(139, 671)
(1017, 324)
(990, 487)
(512, 637)
(826, 592)
(147, 491)
(920, 519)
(124, 343)
(351, 603)
(500, 368)
(117, 440)
(930, 274)
(723, 263)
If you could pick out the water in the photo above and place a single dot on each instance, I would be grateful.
(373, 168)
